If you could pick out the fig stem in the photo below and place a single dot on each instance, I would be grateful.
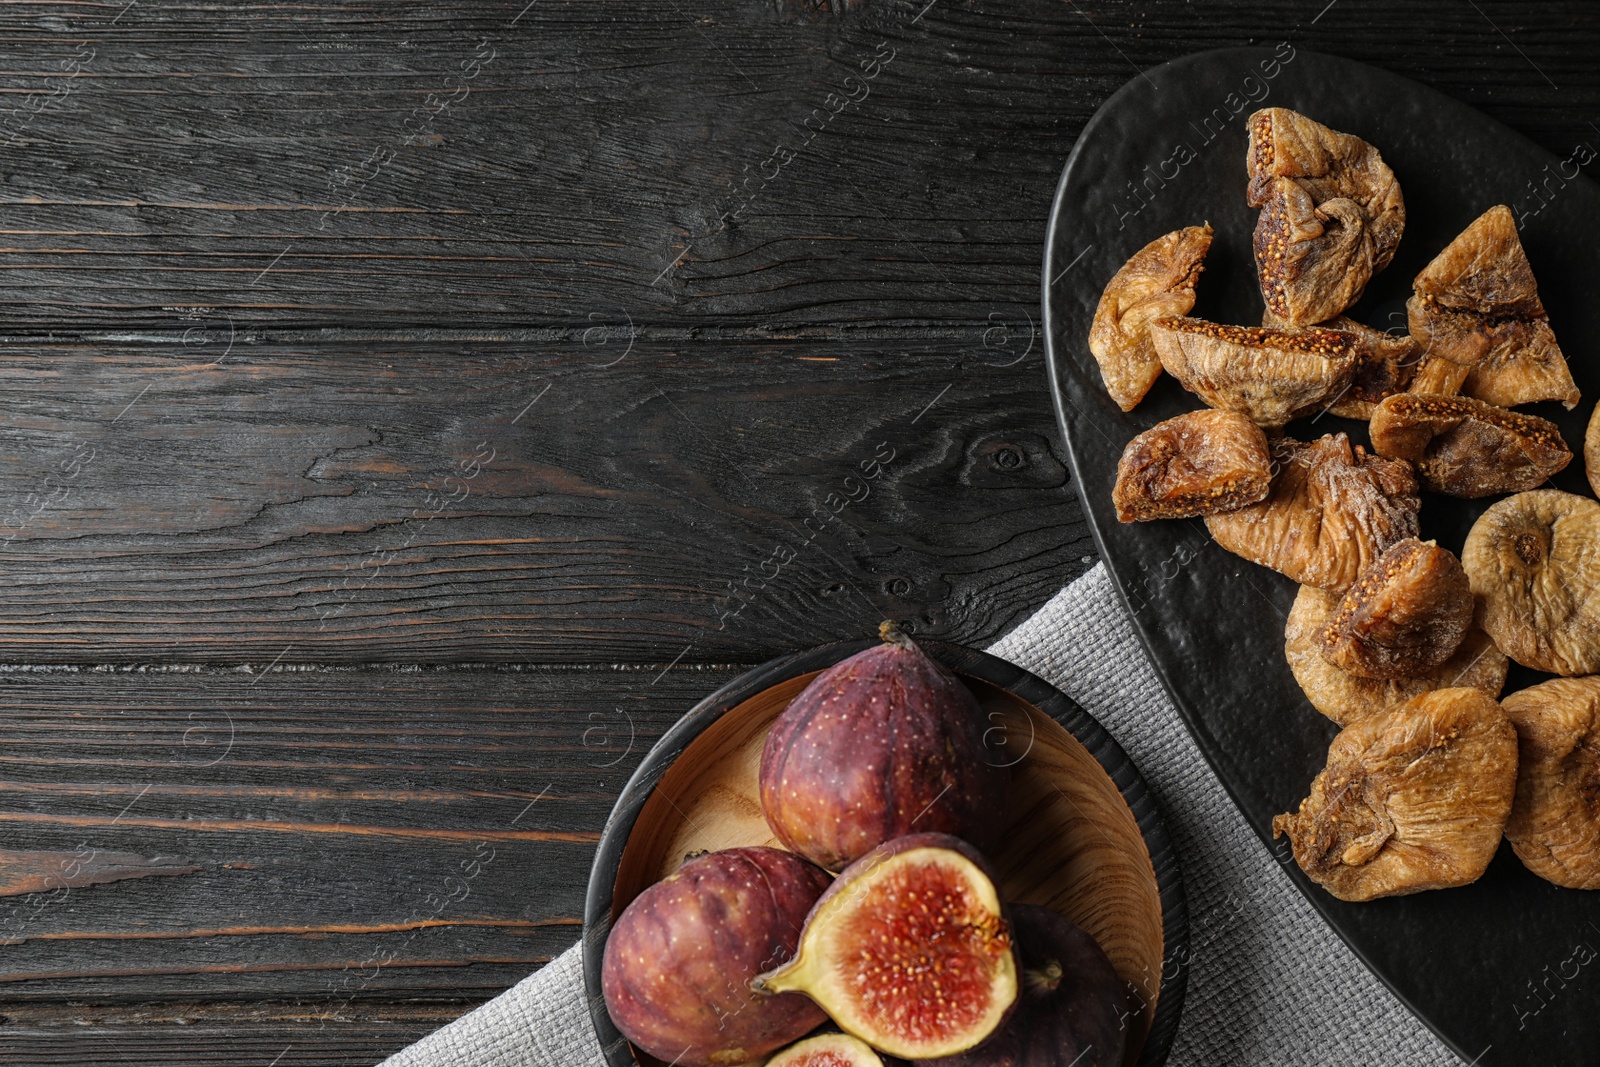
(891, 633)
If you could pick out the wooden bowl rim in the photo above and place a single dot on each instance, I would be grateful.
(981, 665)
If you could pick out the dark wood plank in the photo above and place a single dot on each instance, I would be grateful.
(476, 164)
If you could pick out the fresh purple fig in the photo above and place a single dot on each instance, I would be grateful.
(1071, 1010)
(883, 744)
(908, 950)
(827, 1050)
(678, 965)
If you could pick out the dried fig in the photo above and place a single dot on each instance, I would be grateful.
(909, 950)
(1196, 464)
(878, 745)
(1331, 512)
(1413, 797)
(827, 1050)
(1405, 615)
(1331, 215)
(1477, 313)
(1345, 697)
(1465, 447)
(1158, 281)
(678, 964)
(1272, 375)
(1555, 820)
(1591, 451)
(1534, 563)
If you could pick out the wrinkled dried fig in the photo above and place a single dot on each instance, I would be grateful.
(1476, 311)
(1405, 615)
(1345, 697)
(1555, 820)
(1331, 512)
(1413, 797)
(1201, 463)
(1272, 375)
(1331, 215)
(1465, 447)
(1385, 363)
(1158, 281)
(1534, 563)
(1591, 451)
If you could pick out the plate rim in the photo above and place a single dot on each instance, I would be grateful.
(1111, 757)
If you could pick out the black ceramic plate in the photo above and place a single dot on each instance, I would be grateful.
(964, 661)
(1504, 970)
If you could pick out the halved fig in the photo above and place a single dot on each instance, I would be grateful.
(909, 950)
(1331, 512)
(1157, 281)
(827, 1050)
(1476, 311)
(1413, 797)
(1385, 363)
(1534, 563)
(1465, 447)
(1073, 1008)
(679, 961)
(1405, 615)
(1272, 375)
(1555, 821)
(1345, 697)
(1331, 215)
(1200, 463)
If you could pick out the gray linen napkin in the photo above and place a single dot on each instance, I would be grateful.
(1269, 983)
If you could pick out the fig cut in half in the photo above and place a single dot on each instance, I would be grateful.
(908, 950)
(827, 1050)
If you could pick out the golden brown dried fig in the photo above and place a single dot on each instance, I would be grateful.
(1385, 363)
(1272, 375)
(1413, 797)
(1465, 447)
(1345, 697)
(1331, 215)
(1476, 311)
(1534, 563)
(1555, 820)
(1158, 281)
(1405, 615)
(1331, 511)
(1201, 463)
(1591, 451)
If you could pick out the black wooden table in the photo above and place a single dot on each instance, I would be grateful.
(408, 410)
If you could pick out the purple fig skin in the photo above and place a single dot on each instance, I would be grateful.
(880, 745)
(677, 967)
(1070, 1010)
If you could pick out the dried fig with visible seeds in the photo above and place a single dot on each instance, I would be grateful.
(1476, 311)
(1201, 463)
(1465, 447)
(1534, 563)
(1385, 363)
(1413, 797)
(1331, 512)
(1272, 375)
(1405, 615)
(1345, 697)
(1331, 215)
(1157, 281)
(1555, 820)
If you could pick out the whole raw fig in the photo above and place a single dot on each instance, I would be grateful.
(1072, 1005)
(678, 964)
(880, 745)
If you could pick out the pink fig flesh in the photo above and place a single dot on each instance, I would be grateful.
(678, 965)
(883, 744)
(827, 1050)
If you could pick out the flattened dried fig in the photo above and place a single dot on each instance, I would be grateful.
(1331, 512)
(1555, 820)
(1477, 313)
(1272, 375)
(1534, 563)
(1413, 797)
(1331, 215)
(1345, 697)
(1465, 447)
(1405, 615)
(1158, 281)
(1201, 463)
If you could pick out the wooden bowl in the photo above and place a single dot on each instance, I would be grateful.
(1084, 836)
